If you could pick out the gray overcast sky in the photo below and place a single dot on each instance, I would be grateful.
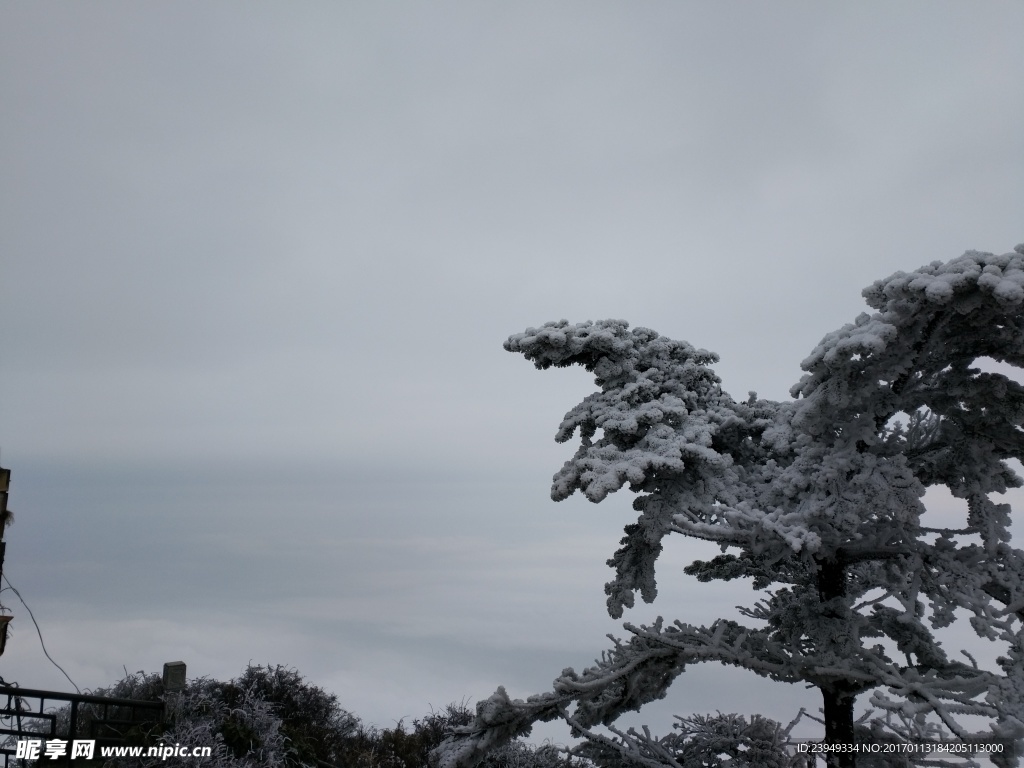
(257, 261)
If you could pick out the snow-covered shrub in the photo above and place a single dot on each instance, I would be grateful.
(402, 747)
(268, 716)
(242, 728)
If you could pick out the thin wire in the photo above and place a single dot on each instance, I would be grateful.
(40, 633)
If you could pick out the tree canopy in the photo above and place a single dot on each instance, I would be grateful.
(819, 500)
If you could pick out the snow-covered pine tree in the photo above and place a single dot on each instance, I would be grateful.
(818, 500)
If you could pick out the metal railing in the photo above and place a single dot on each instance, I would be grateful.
(35, 714)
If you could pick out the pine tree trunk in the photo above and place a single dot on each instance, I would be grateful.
(839, 727)
(838, 699)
